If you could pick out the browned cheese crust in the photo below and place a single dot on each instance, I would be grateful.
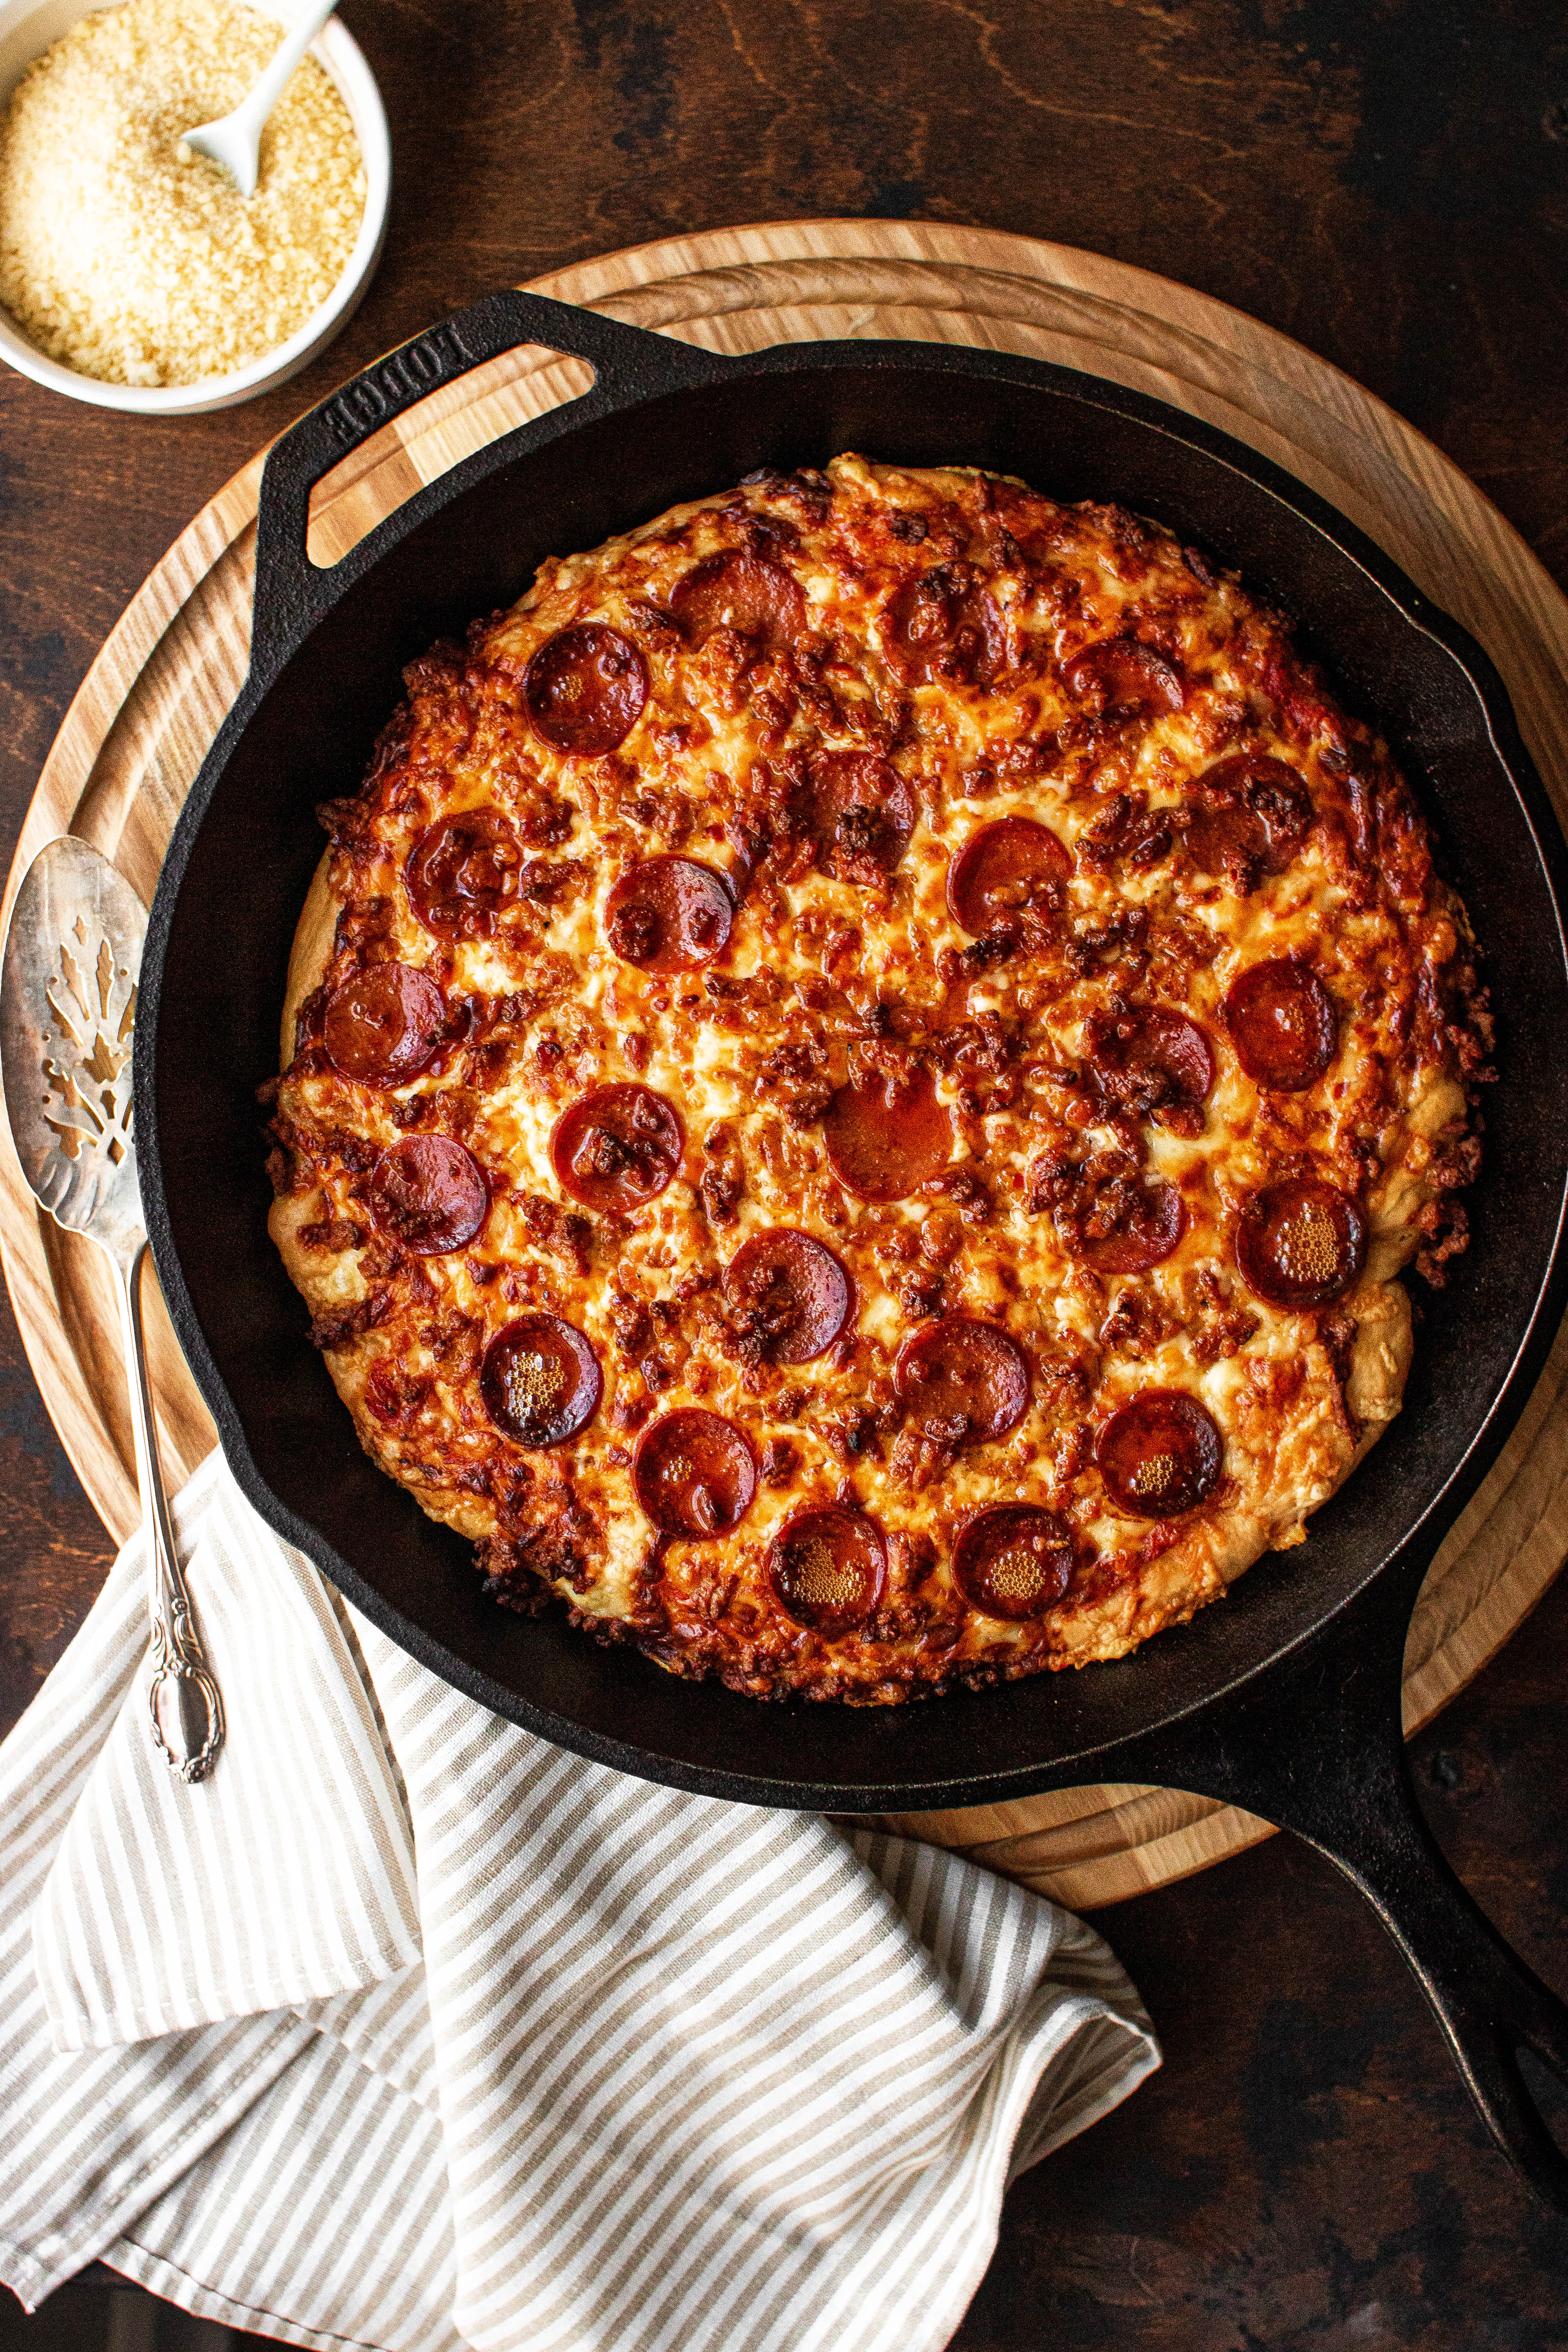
(892, 661)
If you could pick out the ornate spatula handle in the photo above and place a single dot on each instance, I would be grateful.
(187, 1710)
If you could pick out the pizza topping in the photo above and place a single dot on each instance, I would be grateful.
(827, 1568)
(742, 592)
(1004, 871)
(1132, 679)
(695, 1474)
(1161, 1455)
(887, 1137)
(928, 953)
(961, 1379)
(1251, 815)
(1145, 1224)
(429, 1194)
(669, 914)
(383, 1025)
(1282, 1024)
(1014, 1561)
(617, 1147)
(789, 1294)
(585, 690)
(1301, 1245)
(1151, 1062)
(859, 811)
(945, 627)
(463, 873)
(541, 1380)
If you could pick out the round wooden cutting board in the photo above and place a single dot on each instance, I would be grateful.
(148, 709)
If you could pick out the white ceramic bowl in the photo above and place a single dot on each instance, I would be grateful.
(26, 29)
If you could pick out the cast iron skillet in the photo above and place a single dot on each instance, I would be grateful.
(1286, 1699)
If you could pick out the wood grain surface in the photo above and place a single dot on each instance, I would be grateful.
(1390, 188)
(141, 725)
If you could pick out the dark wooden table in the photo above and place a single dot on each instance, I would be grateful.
(1388, 183)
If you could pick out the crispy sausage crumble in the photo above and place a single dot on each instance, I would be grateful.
(858, 1078)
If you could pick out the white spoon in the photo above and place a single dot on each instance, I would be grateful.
(234, 142)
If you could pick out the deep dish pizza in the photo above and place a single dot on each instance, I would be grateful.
(858, 1078)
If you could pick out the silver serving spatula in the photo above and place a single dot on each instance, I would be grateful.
(68, 1007)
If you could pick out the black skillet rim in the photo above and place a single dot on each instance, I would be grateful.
(1418, 1541)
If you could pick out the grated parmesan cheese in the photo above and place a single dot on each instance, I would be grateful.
(135, 262)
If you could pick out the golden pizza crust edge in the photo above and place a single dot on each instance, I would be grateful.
(1204, 1558)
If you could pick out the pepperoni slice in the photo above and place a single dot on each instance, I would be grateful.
(669, 914)
(1131, 679)
(1227, 839)
(742, 592)
(1251, 815)
(462, 873)
(1151, 1061)
(1014, 1561)
(694, 1472)
(859, 811)
(1161, 1455)
(584, 689)
(1282, 1024)
(789, 1294)
(827, 1568)
(617, 1147)
(1301, 1244)
(1003, 871)
(961, 1379)
(1143, 1234)
(384, 1024)
(541, 1380)
(428, 1193)
(946, 626)
(885, 1140)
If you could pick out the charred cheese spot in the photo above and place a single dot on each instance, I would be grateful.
(830, 914)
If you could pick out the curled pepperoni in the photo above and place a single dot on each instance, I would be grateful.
(1151, 1061)
(541, 1380)
(789, 1294)
(428, 1193)
(694, 1472)
(887, 1137)
(669, 914)
(1004, 871)
(741, 592)
(945, 626)
(961, 1379)
(1227, 840)
(1144, 1233)
(463, 873)
(384, 1024)
(1130, 680)
(1014, 1561)
(617, 1147)
(1301, 1244)
(859, 810)
(1161, 1455)
(584, 689)
(1251, 815)
(1282, 1024)
(827, 1568)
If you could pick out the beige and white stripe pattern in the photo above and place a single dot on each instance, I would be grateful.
(409, 2031)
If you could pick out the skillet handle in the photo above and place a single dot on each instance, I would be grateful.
(1322, 1754)
(629, 363)
(1489, 2005)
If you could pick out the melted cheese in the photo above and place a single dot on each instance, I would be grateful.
(856, 973)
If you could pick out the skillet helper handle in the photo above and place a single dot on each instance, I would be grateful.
(628, 362)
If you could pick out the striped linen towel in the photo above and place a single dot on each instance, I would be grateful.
(408, 2031)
